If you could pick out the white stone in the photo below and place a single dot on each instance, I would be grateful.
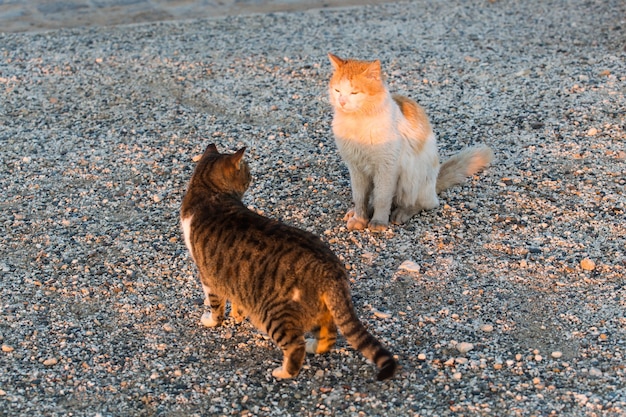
(464, 347)
(486, 328)
(409, 266)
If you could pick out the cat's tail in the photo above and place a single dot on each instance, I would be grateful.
(339, 302)
(462, 165)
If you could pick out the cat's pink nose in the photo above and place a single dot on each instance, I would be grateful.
(342, 101)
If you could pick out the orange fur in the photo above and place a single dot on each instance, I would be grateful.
(390, 148)
(417, 118)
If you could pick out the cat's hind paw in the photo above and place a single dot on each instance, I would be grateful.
(400, 216)
(280, 373)
(311, 346)
(207, 320)
(237, 313)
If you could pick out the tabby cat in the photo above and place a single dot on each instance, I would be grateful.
(285, 280)
(390, 148)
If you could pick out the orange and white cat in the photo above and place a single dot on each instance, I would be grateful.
(390, 148)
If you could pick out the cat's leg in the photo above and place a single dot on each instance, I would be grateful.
(361, 187)
(426, 201)
(385, 181)
(237, 312)
(401, 215)
(286, 330)
(416, 190)
(293, 358)
(215, 316)
(324, 335)
(427, 196)
(293, 355)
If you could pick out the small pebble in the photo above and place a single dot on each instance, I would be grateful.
(7, 348)
(556, 354)
(51, 362)
(381, 314)
(168, 327)
(464, 347)
(486, 328)
(592, 132)
(409, 266)
(595, 372)
(457, 376)
(587, 264)
(421, 357)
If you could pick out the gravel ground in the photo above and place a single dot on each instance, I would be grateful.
(514, 301)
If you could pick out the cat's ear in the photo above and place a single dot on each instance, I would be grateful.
(373, 70)
(336, 61)
(237, 157)
(210, 149)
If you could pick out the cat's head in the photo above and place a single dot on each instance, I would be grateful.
(356, 86)
(222, 173)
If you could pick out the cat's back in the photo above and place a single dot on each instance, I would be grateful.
(414, 124)
(229, 229)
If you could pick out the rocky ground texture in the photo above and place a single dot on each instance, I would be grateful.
(513, 298)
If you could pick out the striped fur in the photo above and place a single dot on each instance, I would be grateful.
(285, 280)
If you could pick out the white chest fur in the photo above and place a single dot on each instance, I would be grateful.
(186, 224)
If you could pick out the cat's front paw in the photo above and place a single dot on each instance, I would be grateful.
(356, 223)
(349, 214)
(207, 320)
(377, 227)
(280, 373)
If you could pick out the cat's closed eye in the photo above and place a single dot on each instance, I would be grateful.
(354, 92)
